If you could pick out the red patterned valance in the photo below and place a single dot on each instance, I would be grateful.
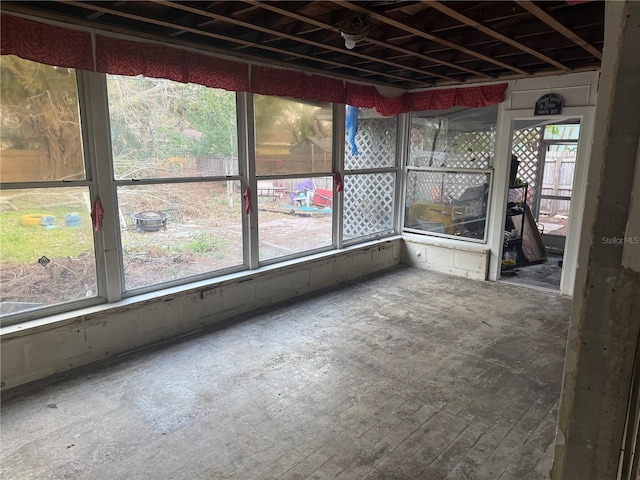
(59, 46)
(66, 47)
(124, 57)
(274, 81)
(442, 99)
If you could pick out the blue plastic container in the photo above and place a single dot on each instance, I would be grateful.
(72, 220)
(47, 220)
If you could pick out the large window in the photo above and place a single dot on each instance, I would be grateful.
(294, 161)
(46, 239)
(172, 180)
(175, 162)
(449, 169)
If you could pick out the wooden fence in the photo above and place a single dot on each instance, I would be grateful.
(558, 181)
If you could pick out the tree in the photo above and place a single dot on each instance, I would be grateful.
(159, 119)
(276, 113)
(40, 111)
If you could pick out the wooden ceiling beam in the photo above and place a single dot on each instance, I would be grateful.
(492, 33)
(415, 31)
(559, 27)
(294, 38)
(242, 11)
(302, 18)
(174, 26)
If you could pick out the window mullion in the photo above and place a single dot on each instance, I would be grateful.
(97, 143)
(404, 127)
(247, 154)
(338, 166)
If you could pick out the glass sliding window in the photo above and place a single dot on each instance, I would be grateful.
(370, 174)
(47, 254)
(165, 129)
(296, 217)
(294, 161)
(41, 138)
(449, 168)
(175, 160)
(179, 230)
(447, 202)
(292, 137)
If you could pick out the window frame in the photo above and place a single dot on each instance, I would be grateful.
(455, 170)
(444, 170)
(116, 183)
(95, 129)
(395, 169)
(253, 179)
(87, 122)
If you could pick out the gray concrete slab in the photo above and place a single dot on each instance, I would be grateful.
(409, 374)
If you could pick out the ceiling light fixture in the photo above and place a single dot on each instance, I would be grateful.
(353, 29)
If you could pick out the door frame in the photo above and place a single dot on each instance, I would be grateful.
(505, 129)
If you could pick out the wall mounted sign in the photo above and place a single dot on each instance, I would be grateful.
(549, 104)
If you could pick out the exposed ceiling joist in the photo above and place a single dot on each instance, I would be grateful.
(492, 33)
(558, 27)
(373, 41)
(411, 44)
(419, 33)
(234, 40)
(197, 11)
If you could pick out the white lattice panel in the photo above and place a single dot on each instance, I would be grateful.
(368, 204)
(376, 142)
(440, 187)
(424, 187)
(526, 146)
(471, 149)
(432, 145)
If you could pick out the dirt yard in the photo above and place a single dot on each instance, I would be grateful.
(203, 234)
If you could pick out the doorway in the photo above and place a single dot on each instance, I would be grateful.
(557, 168)
(550, 157)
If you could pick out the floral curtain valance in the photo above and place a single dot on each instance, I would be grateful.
(66, 47)
(45, 43)
(124, 57)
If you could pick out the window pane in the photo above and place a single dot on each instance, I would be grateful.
(457, 138)
(292, 137)
(174, 231)
(296, 220)
(46, 248)
(374, 143)
(447, 202)
(40, 123)
(162, 129)
(368, 204)
(569, 131)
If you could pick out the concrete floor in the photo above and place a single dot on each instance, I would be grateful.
(408, 375)
(543, 275)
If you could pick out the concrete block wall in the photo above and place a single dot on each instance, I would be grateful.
(462, 260)
(40, 348)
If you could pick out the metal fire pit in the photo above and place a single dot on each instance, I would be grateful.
(150, 221)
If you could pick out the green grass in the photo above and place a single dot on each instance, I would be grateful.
(209, 245)
(19, 243)
(203, 243)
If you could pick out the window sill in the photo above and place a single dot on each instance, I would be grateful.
(96, 312)
(445, 242)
